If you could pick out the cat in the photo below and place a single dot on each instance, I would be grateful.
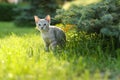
(52, 35)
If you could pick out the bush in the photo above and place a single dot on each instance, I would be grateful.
(35, 7)
(7, 12)
(102, 17)
(25, 17)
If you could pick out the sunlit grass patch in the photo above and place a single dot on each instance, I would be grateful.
(22, 57)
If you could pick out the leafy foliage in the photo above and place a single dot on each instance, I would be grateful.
(35, 7)
(7, 12)
(102, 17)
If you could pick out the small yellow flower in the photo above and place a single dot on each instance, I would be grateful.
(68, 27)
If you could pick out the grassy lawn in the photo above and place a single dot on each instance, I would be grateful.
(22, 57)
(7, 28)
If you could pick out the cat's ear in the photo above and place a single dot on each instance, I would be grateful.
(47, 18)
(36, 19)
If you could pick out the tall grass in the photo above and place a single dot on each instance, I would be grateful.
(22, 57)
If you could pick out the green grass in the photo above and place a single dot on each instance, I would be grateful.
(6, 29)
(22, 57)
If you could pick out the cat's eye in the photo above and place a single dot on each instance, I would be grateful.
(44, 24)
(39, 24)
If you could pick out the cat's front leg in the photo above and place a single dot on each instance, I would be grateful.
(53, 45)
(46, 47)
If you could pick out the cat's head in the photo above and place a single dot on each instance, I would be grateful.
(42, 24)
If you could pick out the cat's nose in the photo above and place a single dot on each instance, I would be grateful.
(41, 27)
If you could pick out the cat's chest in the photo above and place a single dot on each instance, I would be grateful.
(48, 36)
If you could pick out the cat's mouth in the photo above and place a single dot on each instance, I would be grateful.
(43, 29)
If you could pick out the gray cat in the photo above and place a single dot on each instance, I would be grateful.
(52, 36)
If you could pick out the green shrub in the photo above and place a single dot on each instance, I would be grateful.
(102, 17)
(40, 8)
(25, 17)
(7, 12)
